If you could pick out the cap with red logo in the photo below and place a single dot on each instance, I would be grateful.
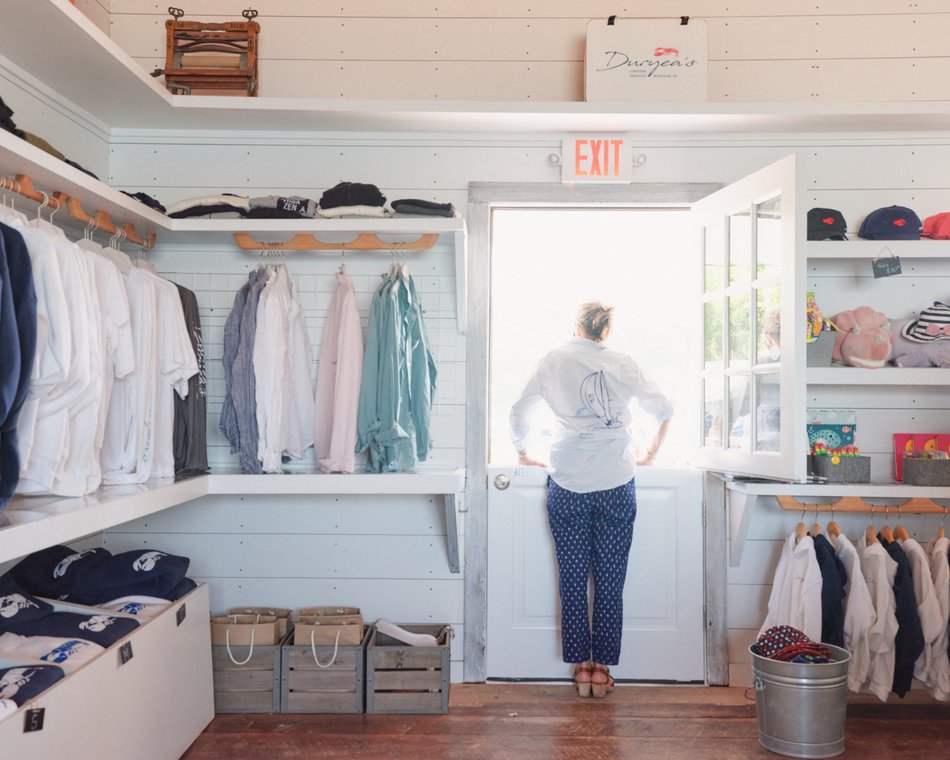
(826, 224)
(891, 223)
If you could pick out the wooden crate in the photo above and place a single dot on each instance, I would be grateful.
(405, 679)
(246, 680)
(322, 678)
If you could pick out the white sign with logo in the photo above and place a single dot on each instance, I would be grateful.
(596, 158)
(646, 60)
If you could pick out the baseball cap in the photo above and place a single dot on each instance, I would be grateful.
(826, 224)
(891, 223)
(937, 226)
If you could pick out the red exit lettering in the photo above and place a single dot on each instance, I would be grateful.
(597, 158)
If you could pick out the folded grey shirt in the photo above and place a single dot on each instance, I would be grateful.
(294, 204)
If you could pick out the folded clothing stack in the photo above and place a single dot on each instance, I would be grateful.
(219, 206)
(281, 207)
(352, 199)
(419, 207)
(96, 576)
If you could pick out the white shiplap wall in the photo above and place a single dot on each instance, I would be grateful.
(386, 555)
(823, 50)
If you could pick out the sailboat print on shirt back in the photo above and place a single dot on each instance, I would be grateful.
(596, 401)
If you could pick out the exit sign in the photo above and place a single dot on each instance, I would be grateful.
(596, 158)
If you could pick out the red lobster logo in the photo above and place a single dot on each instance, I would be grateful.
(661, 51)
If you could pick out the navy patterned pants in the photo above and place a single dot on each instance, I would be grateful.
(592, 533)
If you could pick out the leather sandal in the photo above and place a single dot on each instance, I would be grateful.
(582, 677)
(601, 681)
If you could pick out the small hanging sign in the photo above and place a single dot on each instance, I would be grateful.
(885, 264)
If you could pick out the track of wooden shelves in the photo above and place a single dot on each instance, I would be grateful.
(31, 523)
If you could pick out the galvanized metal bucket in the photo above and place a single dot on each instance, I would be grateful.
(801, 706)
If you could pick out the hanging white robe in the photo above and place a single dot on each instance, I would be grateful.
(796, 589)
(938, 679)
(859, 615)
(879, 572)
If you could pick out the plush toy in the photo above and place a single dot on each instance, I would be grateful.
(909, 353)
(864, 338)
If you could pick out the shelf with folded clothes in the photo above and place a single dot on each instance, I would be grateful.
(163, 652)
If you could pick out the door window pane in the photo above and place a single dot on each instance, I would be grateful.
(740, 248)
(712, 330)
(767, 412)
(712, 412)
(740, 424)
(714, 262)
(740, 331)
(768, 240)
(768, 322)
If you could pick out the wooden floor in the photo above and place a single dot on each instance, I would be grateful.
(549, 722)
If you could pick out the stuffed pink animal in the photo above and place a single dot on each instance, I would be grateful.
(864, 339)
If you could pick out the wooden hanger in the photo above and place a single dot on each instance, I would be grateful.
(815, 530)
(886, 533)
(800, 532)
(307, 242)
(102, 221)
(833, 529)
(23, 185)
(900, 533)
(870, 535)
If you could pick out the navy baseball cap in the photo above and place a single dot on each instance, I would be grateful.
(891, 223)
(826, 224)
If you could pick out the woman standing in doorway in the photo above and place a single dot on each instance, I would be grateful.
(591, 499)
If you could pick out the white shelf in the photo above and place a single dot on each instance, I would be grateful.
(863, 490)
(31, 523)
(924, 248)
(903, 376)
(92, 71)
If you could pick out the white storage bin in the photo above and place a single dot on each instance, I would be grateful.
(157, 701)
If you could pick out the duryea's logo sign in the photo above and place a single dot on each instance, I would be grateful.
(657, 60)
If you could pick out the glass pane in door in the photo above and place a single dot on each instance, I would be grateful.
(740, 248)
(767, 412)
(768, 319)
(740, 422)
(768, 239)
(740, 330)
(712, 411)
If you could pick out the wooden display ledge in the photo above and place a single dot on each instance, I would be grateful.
(32, 523)
(741, 497)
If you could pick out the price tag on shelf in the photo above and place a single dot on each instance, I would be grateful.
(885, 264)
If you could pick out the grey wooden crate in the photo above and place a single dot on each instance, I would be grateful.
(405, 679)
(253, 686)
(306, 687)
(848, 470)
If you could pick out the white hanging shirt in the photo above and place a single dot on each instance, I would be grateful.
(590, 388)
(939, 678)
(932, 623)
(879, 572)
(336, 399)
(859, 615)
(796, 589)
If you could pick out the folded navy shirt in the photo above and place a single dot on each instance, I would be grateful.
(18, 606)
(98, 627)
(25, 682)
(96, 575)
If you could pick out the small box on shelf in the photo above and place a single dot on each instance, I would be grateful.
(850, 469)
(920, 471)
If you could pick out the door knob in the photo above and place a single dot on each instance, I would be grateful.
(502, 482)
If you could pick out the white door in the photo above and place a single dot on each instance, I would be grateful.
(663, 630)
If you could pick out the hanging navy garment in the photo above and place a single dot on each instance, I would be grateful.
(17, 349)
(191, 425)
(909, 642)
(834, 577)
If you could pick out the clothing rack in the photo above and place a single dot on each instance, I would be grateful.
(307, 242)
(23, 185)
(912, 506)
